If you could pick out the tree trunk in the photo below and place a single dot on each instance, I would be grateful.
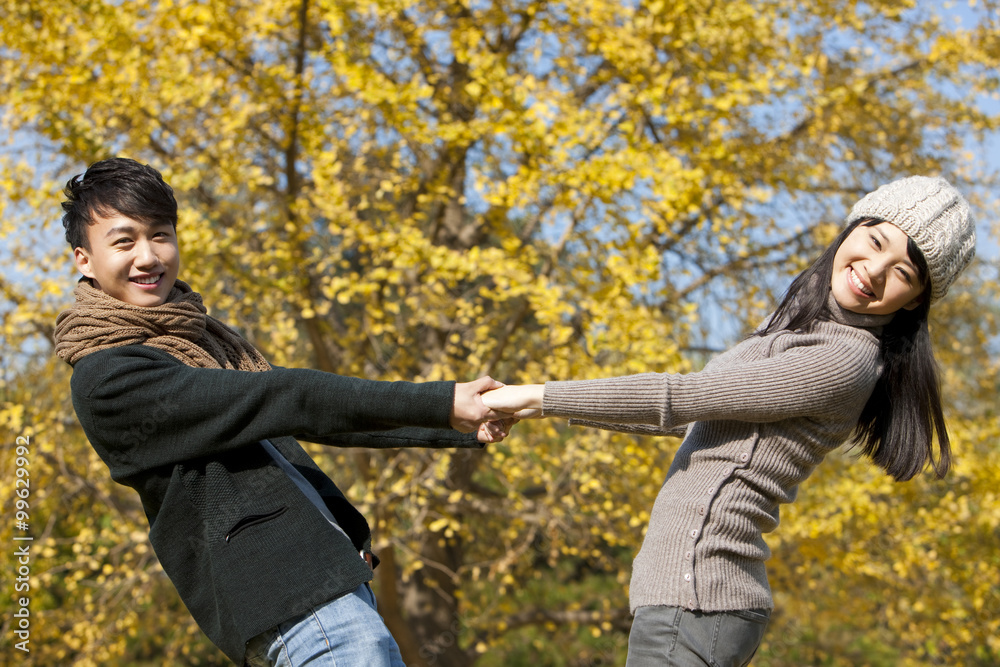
(431, 607)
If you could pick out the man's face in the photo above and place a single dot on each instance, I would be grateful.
(133, 261)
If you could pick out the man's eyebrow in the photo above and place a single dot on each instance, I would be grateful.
(129, 228)
(120, 229)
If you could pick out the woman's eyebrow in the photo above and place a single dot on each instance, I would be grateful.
(906, 259)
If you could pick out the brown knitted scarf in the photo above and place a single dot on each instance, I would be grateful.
(180, 327)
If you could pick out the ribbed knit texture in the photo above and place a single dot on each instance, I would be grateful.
(762, 416)
(934, 215)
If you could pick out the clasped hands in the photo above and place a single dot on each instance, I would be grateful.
(491, 408)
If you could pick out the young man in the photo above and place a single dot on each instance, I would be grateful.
(266, 552)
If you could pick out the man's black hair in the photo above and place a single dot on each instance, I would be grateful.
(116, 185)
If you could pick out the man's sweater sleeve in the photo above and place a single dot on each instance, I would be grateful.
(811, 380)
(145, 409)
(407, 436)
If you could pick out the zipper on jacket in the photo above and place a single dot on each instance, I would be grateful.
(253, 520)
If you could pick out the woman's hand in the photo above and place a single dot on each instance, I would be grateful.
(524, 400)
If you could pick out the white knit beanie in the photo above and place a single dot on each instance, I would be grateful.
(934, 215)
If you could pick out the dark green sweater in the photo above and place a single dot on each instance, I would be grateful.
(244, 547)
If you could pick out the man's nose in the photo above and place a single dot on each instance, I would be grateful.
(144, 255)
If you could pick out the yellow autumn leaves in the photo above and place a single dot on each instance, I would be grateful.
(439, 189)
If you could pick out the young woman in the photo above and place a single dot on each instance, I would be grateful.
(846, 353)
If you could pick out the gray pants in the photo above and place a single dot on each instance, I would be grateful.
(675, 637)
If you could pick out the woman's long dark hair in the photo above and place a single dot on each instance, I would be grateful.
(897, 425)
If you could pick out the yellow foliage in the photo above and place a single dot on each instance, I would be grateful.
(407, 189)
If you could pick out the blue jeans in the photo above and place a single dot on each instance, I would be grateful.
(346, 632)
(675, 637)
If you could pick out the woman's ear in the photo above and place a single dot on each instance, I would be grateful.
(913, 304)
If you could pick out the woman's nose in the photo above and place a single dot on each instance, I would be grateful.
(877, 271)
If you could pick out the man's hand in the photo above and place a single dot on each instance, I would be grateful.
(468, 411)
(495, 431)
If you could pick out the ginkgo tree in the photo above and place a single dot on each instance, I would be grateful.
(533, 190)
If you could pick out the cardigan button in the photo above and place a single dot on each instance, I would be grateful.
(744, 457)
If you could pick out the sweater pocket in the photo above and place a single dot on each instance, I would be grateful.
(252, 520)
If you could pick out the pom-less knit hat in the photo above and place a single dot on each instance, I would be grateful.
(934, 215)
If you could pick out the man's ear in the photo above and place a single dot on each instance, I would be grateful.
(83, 262)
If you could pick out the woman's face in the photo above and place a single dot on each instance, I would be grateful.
(873, 273)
